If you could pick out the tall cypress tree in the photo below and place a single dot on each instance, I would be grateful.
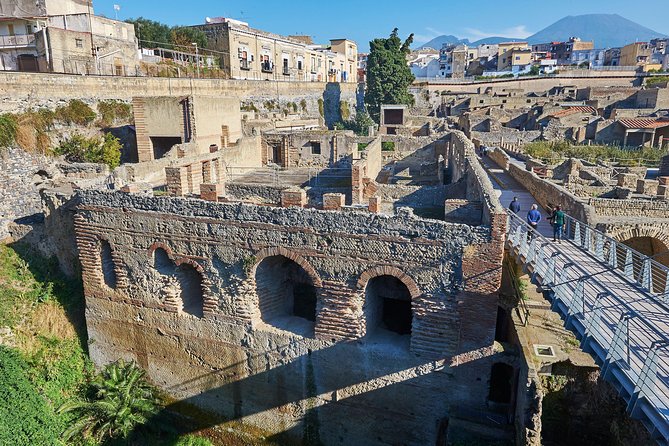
(388, 74)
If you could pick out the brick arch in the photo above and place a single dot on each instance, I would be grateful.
(280, 251)
(623, 234)
(164, 247)
(186, 261)
(386, 270)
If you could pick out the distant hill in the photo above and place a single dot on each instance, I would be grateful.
(607, 31)
(438, 42)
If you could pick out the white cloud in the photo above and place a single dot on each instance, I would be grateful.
(516, 32)
(430, 34)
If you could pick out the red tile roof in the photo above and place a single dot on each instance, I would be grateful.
(644, 123)
(573, 110)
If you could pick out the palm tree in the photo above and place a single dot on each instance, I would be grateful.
(121, 400)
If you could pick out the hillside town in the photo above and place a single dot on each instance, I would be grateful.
(217, 235)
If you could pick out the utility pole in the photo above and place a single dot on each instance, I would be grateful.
(197, 59)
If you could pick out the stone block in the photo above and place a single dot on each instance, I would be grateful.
(374, 205)
(333, 202)
(627, 180)
(663, 191)
(664, 181)
(130, 188)
(647, 187)
(293, 198)
(211, 192)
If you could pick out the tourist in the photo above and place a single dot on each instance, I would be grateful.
(558, 221)
(533, 219)
(515, 205)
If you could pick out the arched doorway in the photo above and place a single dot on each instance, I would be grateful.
(287, 295)
(650, 246)
(387, 307)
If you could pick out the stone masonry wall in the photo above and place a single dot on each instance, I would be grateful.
(331, 377)
(630, 208)
(18, 191)
(19, 91)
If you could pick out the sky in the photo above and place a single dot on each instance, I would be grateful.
(363, 20)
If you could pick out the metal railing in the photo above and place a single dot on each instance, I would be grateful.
(636, 267)
(17, 41)
(608, 298)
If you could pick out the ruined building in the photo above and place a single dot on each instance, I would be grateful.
(327, 310)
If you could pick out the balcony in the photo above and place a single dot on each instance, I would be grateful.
(17, 41)
(286, 71)
(244, 64)
(267, 67)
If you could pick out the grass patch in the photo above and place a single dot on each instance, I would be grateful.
(553, 152)
(655, 80)
(8, 127)
(75, 112)
(388, 146)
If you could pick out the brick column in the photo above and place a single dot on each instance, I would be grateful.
(194, 177)
(293, 198)
(333, 202)
(374, 205)
(207, 172)
(144, 146)
(356, 184)
(211, 192)
(177, 181)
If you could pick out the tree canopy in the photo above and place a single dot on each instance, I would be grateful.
(388, 75)
(155, 34)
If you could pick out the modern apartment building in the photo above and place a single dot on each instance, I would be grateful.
(247, 53)
(64, 36)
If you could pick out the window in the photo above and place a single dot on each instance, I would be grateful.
(517, 57)
(79, 43)
(29, 29)
(10, 29)
(315, 148)
(299, 65)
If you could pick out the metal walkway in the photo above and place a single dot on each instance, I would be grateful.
(615, 299)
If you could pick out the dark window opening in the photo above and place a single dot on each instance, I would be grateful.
(393, 116)
(287, 297)
(108, 271)
(501, 383)
(388, 306)
(503, 325)
(163, 144)
(190, 282)
(315, 148)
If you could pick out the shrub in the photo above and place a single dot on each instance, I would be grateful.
(120, 400)
(8, 128)
(75, 112)
(192, 440)
(25, 417)
(344, 110)
(79, 149)
(303, 105)
(557, 150)
(656, 80)
(114, 111)
(360, 125)
(321, 107)
(387, 146)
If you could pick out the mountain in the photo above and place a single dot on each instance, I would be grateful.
(440, 41)
(607, 30)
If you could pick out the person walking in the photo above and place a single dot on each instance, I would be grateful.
(533, 219)
(558, 224)
(515, 205)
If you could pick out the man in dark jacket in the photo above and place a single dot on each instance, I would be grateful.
(515, 205)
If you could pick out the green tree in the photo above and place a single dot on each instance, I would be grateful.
(183, 38)
(360, 125)
(121, 400)
(388, 75)
(150, 32)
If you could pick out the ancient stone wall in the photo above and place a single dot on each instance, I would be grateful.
(548, 193)
(183, 287)
(630, 208)
(19, 175)
(20, 91)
